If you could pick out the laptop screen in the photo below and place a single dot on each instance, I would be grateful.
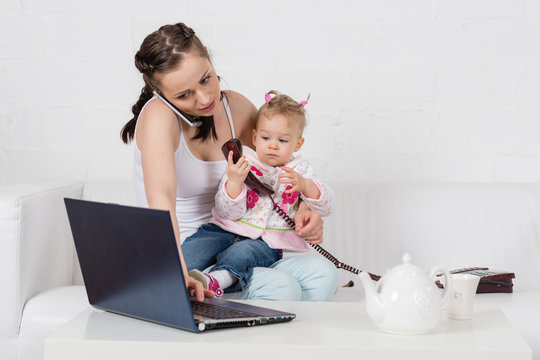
(129, 261)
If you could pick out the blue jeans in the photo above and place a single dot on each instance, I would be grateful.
(235, 253)
(293, 278)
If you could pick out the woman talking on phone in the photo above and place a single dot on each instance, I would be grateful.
(180, 121)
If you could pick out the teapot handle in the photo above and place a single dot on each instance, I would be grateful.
(447, 281)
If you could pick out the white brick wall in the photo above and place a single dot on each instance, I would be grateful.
(402, 90)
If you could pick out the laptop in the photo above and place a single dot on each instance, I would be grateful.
(130, 266)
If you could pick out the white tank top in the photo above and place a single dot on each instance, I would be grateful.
(197, 182)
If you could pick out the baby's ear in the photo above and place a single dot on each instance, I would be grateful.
(253, 136)
(299, 144)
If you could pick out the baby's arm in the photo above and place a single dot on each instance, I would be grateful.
(236, 175)
(227, 207)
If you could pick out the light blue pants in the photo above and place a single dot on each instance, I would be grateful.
(306, 278)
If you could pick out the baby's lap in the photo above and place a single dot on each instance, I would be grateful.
(300, 268)
(304, 263)
(288, 278)
(292, 268)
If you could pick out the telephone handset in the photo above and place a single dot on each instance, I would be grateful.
(177, 111)
(252, 182)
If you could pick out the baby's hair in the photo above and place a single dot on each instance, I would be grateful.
(281, 104)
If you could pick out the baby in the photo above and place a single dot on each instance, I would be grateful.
(246, 231)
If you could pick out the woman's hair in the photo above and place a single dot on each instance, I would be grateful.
(160, 52)
(281, 104)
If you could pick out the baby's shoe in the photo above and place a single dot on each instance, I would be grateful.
(207, 281)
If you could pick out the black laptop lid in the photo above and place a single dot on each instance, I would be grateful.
(129, 261)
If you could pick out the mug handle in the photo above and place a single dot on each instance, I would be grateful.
(447, 281)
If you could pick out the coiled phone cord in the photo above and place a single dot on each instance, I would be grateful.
(251, 181)
(338, 264)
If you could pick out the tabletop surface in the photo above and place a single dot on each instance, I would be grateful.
(326, 328)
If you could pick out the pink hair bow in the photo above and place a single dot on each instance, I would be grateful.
(267, 98)
(303, 103)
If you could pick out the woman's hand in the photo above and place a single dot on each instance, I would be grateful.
(195, 288)
(236, 175)
(309, 224)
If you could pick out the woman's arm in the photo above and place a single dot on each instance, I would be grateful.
(158, 134)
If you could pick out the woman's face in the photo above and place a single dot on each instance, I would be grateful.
(193, 86)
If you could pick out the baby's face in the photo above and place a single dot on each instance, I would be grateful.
(276, 140)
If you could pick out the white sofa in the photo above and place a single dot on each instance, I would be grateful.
(452, 225)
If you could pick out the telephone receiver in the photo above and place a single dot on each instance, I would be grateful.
(253, 183)
(177, 111)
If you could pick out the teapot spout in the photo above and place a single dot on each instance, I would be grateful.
(369, 285)
(374, 304)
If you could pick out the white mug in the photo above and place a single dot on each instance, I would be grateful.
(461, 299)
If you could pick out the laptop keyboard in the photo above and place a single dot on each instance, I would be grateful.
(216, 312)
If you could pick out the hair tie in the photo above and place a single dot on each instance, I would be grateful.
(267, 98)
(303, 103)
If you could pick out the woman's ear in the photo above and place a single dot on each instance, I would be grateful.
(299, 144)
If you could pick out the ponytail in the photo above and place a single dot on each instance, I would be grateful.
(128, 131)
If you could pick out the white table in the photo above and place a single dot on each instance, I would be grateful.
(331, 330)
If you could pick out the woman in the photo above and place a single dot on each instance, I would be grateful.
(177, 167)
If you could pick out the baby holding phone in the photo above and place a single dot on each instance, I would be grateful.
(246, 231)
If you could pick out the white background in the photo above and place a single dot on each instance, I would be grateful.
(408, 91)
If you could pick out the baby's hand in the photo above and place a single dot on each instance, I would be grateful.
(297, 181)
(236, 174)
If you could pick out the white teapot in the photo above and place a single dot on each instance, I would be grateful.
(405, 300)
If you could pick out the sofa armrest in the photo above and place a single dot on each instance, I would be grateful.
(36, 246)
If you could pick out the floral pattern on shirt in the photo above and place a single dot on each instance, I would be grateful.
(256, 171)
(289, 198)
(253, 214)
(251, 199)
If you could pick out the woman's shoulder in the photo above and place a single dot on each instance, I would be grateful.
(154, 107)
(239, 103)
(237, 97)
(157, 120)
(244, 114)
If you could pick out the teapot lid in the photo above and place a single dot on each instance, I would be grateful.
(406, 258)
(406, 269)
